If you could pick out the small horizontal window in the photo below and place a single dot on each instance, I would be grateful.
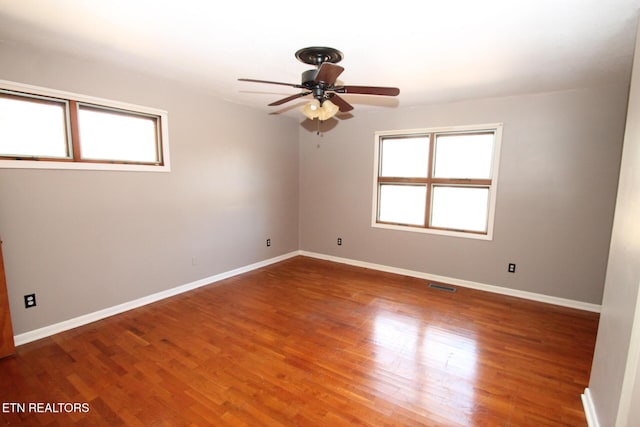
(107, 134)
(19, 137)
(43, 128)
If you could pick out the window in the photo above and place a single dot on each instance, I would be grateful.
(20, 138)
(440, 181)
(43, 128)
(107, 134)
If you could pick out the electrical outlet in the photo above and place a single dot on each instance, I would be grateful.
(29, 300)
(339, 241)
(511, 268)
(194, 260)
(268, 242)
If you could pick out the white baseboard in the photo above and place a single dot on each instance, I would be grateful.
(110, 311)
(589, 409)
(462, 283)
(121, 308)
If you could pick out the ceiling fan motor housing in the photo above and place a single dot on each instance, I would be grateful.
(316, 88)
(308, 78)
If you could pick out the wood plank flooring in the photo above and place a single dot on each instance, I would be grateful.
(311, 343)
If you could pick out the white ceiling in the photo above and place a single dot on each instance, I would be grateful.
(434, 51)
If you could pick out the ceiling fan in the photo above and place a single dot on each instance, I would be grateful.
(321, 83)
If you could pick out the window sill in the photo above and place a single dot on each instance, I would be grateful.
(43, 164)
(451, 233)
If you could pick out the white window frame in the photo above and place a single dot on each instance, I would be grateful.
(493, 187)
(163, 124)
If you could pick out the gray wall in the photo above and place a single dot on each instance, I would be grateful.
(620, 309)
(556, 192)
(88, 240)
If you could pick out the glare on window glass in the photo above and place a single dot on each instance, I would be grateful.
(464, 156)
(33, 128)
(110, 135)
(460, 208)
(405, 157)
(402, 204)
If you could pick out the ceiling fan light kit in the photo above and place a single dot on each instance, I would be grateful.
(313, 110)
(321, 83)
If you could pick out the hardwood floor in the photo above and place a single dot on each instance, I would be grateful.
(311, 343)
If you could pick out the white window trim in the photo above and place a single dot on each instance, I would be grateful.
(44, 164)
(493, 189)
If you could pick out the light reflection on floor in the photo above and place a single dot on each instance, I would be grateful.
(435, 364)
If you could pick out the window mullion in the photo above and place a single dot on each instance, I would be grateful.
(427, 210)
(401, 180)
(461, 181)
(75, 130)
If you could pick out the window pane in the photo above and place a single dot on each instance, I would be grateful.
(405, 157)
(402, 204)
(460, 208)
(111, 135)
(464, 156)
(32, 127)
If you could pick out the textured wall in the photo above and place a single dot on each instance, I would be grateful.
(556, 192)
(88, 240)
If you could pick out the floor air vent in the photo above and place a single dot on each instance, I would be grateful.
(442, 287)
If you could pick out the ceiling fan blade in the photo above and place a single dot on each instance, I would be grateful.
(270, 82)
(289, 98)
(343, 105)
(369, 90)
(328, 73)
